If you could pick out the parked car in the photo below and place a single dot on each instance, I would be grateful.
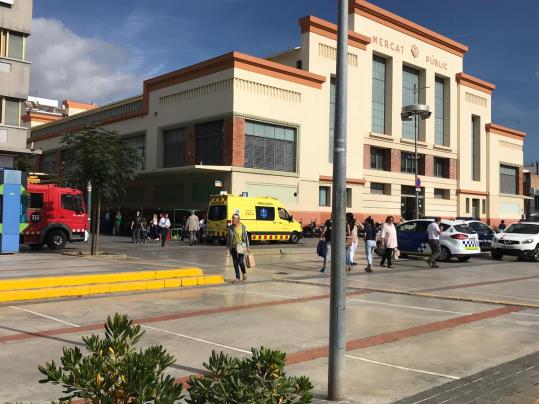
(519, 239)
(457, 240)
(484, 231)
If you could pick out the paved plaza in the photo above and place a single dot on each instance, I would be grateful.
(466, 332)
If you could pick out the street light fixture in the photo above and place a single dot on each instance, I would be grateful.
(407, 113)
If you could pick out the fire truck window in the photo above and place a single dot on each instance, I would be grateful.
(71, 202)
(36, 201)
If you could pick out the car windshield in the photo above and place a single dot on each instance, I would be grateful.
(463, 228)
(522, 228)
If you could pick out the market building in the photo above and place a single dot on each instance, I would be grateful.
(15, 28)
(240, 123)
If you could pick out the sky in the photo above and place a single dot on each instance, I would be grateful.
(101, 50)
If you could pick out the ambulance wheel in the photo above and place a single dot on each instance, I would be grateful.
(36, 247)
(445, 254)
(56, 239)
(294, 238)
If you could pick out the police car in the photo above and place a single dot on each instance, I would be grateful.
(484, 232)
(519, 239)
(457, 240)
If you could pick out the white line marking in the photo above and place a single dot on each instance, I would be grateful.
(410, 307)
(403, 368)
(510, 296)
(196, 339)
(45, 316)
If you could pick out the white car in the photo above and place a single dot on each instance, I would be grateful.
(519, 239)
(457, 240)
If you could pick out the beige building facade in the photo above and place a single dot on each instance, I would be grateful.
(265, 127)
(15, 27)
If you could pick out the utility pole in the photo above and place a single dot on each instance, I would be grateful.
(417, 183)
(337, 315)
(89, 212)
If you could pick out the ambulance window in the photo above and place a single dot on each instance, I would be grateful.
(265, 213)
(217, 212)
(283, 214)
(71, 202)
(36, 201)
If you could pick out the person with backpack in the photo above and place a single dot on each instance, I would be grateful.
(370, 241)
(325, 237)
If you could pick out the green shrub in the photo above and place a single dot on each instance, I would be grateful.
(114, 372)
(255, 380)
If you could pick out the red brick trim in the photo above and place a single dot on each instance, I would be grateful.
(329, 30)
(475, 83)
(471, 192)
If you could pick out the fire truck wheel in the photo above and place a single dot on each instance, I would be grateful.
(56, 239)
(36, 246)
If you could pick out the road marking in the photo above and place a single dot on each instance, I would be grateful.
(410, 307)
(403, 368)
(45, 316)
(260, 293)
(196, 339)
(509, 296)
(527, 314)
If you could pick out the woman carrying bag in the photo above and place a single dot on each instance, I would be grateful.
(237, 243)
(389, 241)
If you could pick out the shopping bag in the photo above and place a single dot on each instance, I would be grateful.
(250, 261)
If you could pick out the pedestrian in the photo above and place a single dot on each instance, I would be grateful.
(370, 241)
(325, 236)
(434, 232)
(117, 223)
(351, 240)
(237, 244)
(502, 226)
(154, 226)
(136, 228)
(388, 235)
(164, 225)
(144, 230)
(192, 226)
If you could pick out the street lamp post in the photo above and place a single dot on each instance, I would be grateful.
(416, 111)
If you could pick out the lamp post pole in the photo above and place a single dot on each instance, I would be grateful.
(337, 315)
(416, 169)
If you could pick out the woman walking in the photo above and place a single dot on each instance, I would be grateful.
(351, 240)
(389, 241)
(370, 241)
(237, 243)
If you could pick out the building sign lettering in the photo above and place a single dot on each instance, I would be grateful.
(384, 43)
(399, 48)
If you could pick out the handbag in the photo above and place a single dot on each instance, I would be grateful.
(241, 248)
(250, 261)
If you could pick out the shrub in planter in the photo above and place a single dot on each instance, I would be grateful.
(258, 379)
(113, 371)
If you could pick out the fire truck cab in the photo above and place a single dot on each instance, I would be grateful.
(55, 215)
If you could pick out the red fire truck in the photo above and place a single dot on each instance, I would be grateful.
(55, 216)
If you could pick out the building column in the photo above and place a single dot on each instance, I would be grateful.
(366, 156)
(190, 146)
(395, 160)
(429, 165)
(234, 141)
(521, 181)
(452, 169)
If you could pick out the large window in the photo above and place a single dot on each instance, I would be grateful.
(270, 147)
(15, 46)
(441, 167)
(410, 87)
(332, 97)
(139, 143)
(209, 143)
(49, 163)
(378, 121)
(476, 148)
(407, 163)
(441, 193)
(377, 158)
(439, 112)
(12, 113)
(174, 147)
(379, 188)
(508, 180)
(265, 213)
(324, 196)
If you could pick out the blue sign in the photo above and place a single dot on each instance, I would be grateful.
(264, 213)
(417, 182)
(244, 194)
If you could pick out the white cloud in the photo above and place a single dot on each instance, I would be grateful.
(67, 65)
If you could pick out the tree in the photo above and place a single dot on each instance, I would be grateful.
(24, 164)
(100, 157)
(113, 371)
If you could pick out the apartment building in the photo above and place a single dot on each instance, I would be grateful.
(265, 126)
(15, 27)
(38, 111)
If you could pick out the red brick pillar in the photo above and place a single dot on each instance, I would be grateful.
(366, 156)
(190, 146)
(395, 160)
(429, 165)
(521, 181)
(452, 169)
(234, 142)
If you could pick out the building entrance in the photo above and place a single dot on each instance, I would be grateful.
(408, 202)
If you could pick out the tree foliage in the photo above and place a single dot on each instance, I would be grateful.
(24, 164)
(114, 372)
(259, 379)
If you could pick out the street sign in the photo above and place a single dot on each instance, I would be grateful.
(218, 184)
(417, 182)
(244, 194)
(418, 189)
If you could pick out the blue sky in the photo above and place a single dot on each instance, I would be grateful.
(101, 50)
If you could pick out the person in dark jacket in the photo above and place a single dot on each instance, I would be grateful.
(370, 241)
(326, 237)
(237, 244)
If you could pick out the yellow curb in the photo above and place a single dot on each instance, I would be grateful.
(74, 280)
(190, 281)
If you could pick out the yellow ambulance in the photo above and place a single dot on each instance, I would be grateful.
(266, 218)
